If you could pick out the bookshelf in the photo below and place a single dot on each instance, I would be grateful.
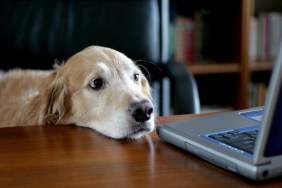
(199, 68)
(219, 55)
(265, 37)
(261, 66)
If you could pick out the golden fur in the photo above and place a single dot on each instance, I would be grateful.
(98, 88)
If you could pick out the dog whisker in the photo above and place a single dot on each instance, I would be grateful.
(148, 73)
(139, 61)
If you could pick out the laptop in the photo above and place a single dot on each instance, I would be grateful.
(247, 142)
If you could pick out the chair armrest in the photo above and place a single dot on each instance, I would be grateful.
(184, 90)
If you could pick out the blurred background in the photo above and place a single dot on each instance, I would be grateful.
(198, 55)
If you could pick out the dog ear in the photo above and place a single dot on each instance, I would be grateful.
(146, 87)
(55, 101)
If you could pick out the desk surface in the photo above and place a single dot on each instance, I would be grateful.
(70, 156)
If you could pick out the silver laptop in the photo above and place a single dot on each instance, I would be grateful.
(247, 142)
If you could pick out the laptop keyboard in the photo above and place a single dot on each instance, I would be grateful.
(241, 140)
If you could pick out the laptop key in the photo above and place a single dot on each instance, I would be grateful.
(241, 143)
(230, 138)
(244, 141)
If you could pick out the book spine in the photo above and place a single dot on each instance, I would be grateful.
(183, 40)
(188, 41)
(257, 94)
(253, 39)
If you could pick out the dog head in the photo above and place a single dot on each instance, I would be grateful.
(102, 89)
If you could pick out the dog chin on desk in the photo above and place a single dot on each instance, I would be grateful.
(98, 87)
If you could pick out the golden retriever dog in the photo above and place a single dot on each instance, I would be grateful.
(99, 88)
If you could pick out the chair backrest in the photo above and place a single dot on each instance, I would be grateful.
(36, 32)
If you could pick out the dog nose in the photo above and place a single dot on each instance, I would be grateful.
(141, 111)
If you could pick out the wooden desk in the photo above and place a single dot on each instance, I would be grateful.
(70, 156)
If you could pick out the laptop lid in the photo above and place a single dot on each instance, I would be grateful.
(269, 142)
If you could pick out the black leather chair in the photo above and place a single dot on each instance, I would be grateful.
(34, 33)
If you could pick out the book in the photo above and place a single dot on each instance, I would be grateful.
(183, 40)
(265, 36)
(256, 94)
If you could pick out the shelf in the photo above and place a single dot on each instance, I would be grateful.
(209, 109)
(261, 66)
(217, 68)
(236, 38)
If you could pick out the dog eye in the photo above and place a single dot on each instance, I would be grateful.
(96, 84)
(136, 77)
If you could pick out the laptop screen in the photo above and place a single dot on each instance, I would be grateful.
(274, 142)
